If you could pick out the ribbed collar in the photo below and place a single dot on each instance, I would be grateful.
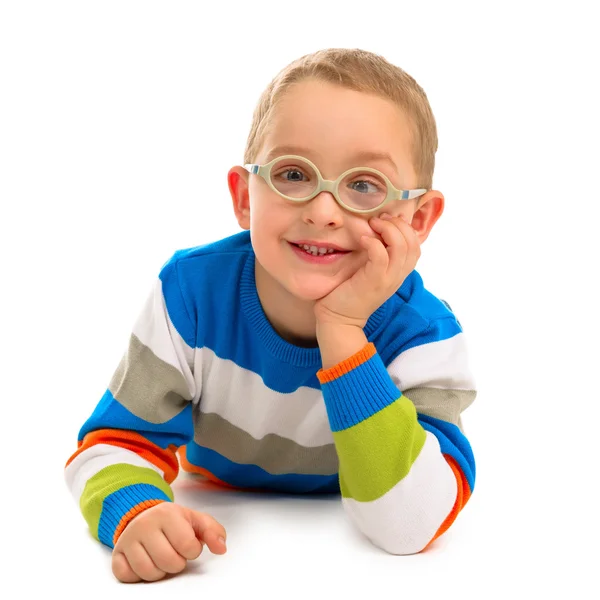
(274, 343)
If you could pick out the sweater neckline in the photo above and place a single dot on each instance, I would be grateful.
(275, 344)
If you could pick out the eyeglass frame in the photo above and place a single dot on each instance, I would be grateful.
(331, 186)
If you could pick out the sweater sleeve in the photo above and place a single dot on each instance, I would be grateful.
(406, 468)
(126, 450)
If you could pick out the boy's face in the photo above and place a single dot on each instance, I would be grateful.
(330, 125)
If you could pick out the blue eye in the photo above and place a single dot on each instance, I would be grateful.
(293, 171)
(364, 187)
(297, 176)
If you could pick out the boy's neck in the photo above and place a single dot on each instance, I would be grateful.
(292, 318)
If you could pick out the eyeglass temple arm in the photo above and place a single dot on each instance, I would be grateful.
(410, 194)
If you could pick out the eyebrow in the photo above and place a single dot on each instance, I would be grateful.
(363, 155)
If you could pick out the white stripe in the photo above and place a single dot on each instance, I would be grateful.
(155, 330)
(240, 396)
(92, 460)
(442, 365)
(406, 518)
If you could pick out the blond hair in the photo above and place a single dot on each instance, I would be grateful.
(362, 71)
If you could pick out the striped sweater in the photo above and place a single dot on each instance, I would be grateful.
(207, 383)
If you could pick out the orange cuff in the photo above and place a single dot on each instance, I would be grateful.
(362, 356)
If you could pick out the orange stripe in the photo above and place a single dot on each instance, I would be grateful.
(190, 468)
(165, 460)
(362, 356)
(462, 497)
(132, 512)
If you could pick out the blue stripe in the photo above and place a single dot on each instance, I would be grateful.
(359, 394)
(119, 503)
(390, 344)
(110, 414)
(452, 442)
(252, 476)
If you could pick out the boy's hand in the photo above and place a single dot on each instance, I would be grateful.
(161, 540)
(388, 264)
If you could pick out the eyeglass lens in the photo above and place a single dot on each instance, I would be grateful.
(298, 180)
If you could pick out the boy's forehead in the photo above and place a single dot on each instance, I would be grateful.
(339, 127)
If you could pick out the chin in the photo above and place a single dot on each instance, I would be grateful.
(311, 291)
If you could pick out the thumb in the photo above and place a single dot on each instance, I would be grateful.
(208, 530)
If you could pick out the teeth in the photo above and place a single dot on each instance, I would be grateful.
(315, 251)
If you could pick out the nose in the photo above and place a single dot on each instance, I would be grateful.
(323, 211)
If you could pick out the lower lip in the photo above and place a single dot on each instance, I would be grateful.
(319, 259)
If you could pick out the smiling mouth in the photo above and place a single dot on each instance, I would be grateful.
(318, 250)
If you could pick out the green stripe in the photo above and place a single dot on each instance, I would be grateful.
(108, 481)
(378, 452)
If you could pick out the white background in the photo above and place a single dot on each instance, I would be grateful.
(118, 124)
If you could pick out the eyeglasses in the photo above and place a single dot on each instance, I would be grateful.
(359, 190)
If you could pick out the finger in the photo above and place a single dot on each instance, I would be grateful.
(410, 235)
(406, 228)
(387, 230)
(409, 248)
(402, 223)
(209, 530)
(396, 244)
(182, 537)
(122, 569)
(162, 553)
(378, 257)
(142, 564)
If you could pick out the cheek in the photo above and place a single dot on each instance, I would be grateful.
(260, 213)
(269, 225)
(361, 228)
(269, 215)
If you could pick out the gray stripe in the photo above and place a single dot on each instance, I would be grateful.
(441, 404)
(147, 386)
(275, 454)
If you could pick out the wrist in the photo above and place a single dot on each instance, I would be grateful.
(338, 341)
(328, 330)
(326, 319)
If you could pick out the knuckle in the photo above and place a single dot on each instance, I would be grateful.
(152, 574)
(119, 567)
(190, 548)
(165, 559)
(173, 564)
(149, 571)
(129, 577)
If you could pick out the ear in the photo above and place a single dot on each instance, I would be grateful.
(237, 179)
(429, 209)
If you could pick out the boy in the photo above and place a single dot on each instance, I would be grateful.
(303, 354)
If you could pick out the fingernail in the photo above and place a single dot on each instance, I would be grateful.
(385, 216)
(222, 540)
